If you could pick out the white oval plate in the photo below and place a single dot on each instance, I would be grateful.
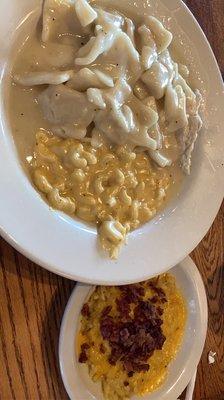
(75, 376)
(68, 247)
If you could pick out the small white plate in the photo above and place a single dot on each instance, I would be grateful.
(67, 246)
(75, 376)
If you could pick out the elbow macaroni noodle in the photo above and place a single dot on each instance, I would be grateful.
(114, 188)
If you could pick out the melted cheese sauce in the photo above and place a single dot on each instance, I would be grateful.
(112, 377)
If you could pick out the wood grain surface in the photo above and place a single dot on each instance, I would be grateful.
(32, 300)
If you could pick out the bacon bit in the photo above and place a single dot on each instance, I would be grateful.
(134, 338)
(85, 346)
(133, 292)
(160, 311)
(83, 357)
(102, 348)
(164, 300)
(85, 310)
(106, 311)
(159, 291)
(154, 299)
(123, 306)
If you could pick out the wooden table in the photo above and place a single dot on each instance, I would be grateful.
(32, 300)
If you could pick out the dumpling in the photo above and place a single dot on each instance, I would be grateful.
(149, 51)
(162, 36)
(148, 56)
(43, 78)
(150, 101)
(129, 116)
(119, 94)
(107, 27)
(107, 31)
(171, 102)
(125, 44)
(140, 90)
(140, 137)
(156, 134)
(120, 119)
(156, 80)
(165, 59)
(61, 106)
(97, 45)
(146, 36)
(95, 97)
(105, 79)
(103, 43)
(85, 13)
(55, 56)
(48, 8)
(130, 30)
(108, 20)
(107, 125)
(145, 115)
(86, 78)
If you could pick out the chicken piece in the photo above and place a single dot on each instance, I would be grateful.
(188, 137)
